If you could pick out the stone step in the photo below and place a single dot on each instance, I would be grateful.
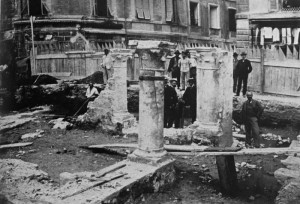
(283, 174)
(292, 163)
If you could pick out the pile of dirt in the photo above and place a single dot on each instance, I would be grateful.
(22, 182)
(96, 78)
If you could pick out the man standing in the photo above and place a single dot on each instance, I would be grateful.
(192, 65)
(235, 76)
(174, 67)
(171, 100)
(251, 113)
(107, 64)
(190, 98)
(184, 70)
(243, 68)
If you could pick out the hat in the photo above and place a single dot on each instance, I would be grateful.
(177, 52)
(235, 54)
(173, 79)
(191, 80)
(244, 53)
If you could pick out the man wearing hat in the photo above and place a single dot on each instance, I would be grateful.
(171, 100)
(251, 113)
(190, 98)
(243, 68)
(235, 76)
(174, 67)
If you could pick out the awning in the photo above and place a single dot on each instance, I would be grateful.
(275, 16)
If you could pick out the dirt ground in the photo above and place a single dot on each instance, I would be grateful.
(60, 151)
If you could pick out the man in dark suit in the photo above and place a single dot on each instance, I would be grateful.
(235, 76)
(243, 68)
(174, 67)
(251, 113)
(171, 100)
(190, 98)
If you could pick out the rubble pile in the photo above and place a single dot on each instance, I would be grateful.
(22, 182)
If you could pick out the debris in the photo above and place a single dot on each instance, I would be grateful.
(251, 198)
(15, 145)
(37, 133)
(275, 156)
(251, 166)
(60, 124)
(95, 185)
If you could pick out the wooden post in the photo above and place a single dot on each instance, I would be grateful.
(262, 70)
(32, 41)
(227, 174)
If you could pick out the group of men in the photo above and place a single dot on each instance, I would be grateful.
(175, 102)
(182, 68)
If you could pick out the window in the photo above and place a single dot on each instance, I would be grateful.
(171, 10)
(290, 3)
(34, 8)
(214, 16)
(142, 9)
(101, 8)
(232, 21)
(194, 14)
(273, 4)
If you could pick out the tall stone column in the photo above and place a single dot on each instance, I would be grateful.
(109, 109)
(214, 95)
(151, 109)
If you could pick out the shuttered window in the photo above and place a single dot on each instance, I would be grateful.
(273, 4)
(214, 16)
(194, 14)
(169, 10)
(143, 9)
(182, 12)
(35, 7)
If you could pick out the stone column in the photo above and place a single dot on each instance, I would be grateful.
(151, 109)
(109, 109)
(214, 95)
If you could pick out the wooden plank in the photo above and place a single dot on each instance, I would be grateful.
(7, 146)
(222, 149)
(262, 70)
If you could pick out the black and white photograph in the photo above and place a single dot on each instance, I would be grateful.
(149, 101)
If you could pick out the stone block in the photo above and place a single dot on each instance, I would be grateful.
(283, 175)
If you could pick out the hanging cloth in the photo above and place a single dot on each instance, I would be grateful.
(268, 32)
(276, 35)
(289, 36)
(262, 36)
(295, 33)
(256, 35)
(283, 30)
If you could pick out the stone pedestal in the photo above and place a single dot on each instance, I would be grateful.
(214, 95)
(151, 110)
(110, 108)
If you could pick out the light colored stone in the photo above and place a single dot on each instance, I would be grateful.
(60, 124)
(292, 163)
(33, 135)
(282, 175)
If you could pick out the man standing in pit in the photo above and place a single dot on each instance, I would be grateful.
(170, 104)
(174, 67)
(243, 68)
(190, 98)
(235, 76)
(251, 113)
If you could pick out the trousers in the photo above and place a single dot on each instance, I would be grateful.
(184, 77)
(252, 131)
(244, 80)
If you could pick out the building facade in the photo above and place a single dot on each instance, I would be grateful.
(110, 23)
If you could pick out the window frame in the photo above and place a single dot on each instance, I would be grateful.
(140, 12)
(198, 13)
(94, 12)
(217, 6)
(27, 7)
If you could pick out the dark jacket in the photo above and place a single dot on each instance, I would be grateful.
(243, 68)
(171, 98)
(190, 97)
(258, 110)
(173, 65)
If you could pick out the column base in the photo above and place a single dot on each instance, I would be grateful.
(153, 158)
(125, 118)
